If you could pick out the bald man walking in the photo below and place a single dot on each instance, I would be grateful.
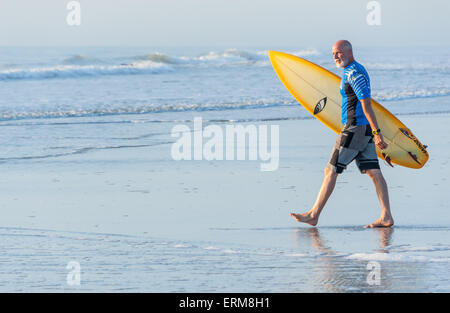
(356, 141)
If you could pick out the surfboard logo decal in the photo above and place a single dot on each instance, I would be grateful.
(320, 106)
(406, 133)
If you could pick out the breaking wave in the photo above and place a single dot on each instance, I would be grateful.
(411, 94)
(142, 109)
(73, 71)
(80, 65)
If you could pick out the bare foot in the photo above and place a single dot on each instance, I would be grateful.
(381, 222)
(307, 218)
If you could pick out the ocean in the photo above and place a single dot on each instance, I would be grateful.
(90, 88)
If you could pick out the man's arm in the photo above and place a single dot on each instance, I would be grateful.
(370, 115)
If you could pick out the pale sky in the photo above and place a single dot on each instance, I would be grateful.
(228, 23)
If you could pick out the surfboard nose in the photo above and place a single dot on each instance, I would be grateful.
(272, 53)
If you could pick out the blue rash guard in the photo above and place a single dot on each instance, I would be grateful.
(355, 85)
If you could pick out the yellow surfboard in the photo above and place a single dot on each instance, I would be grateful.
(317, 90)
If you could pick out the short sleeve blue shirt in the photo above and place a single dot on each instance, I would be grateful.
(355, 85)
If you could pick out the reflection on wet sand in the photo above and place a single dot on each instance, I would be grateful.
(332, 271)
(385, 236)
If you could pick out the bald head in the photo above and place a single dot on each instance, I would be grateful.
(342, 53)
(343, 44)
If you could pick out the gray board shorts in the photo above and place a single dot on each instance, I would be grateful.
(354, 143)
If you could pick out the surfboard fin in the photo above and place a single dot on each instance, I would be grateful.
(412, 155)
(387, 159)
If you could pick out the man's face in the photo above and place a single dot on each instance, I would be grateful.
(340, 55)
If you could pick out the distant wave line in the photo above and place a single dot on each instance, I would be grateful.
(80, 151)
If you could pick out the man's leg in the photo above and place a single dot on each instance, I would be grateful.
(312, 216)
(385, 219)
